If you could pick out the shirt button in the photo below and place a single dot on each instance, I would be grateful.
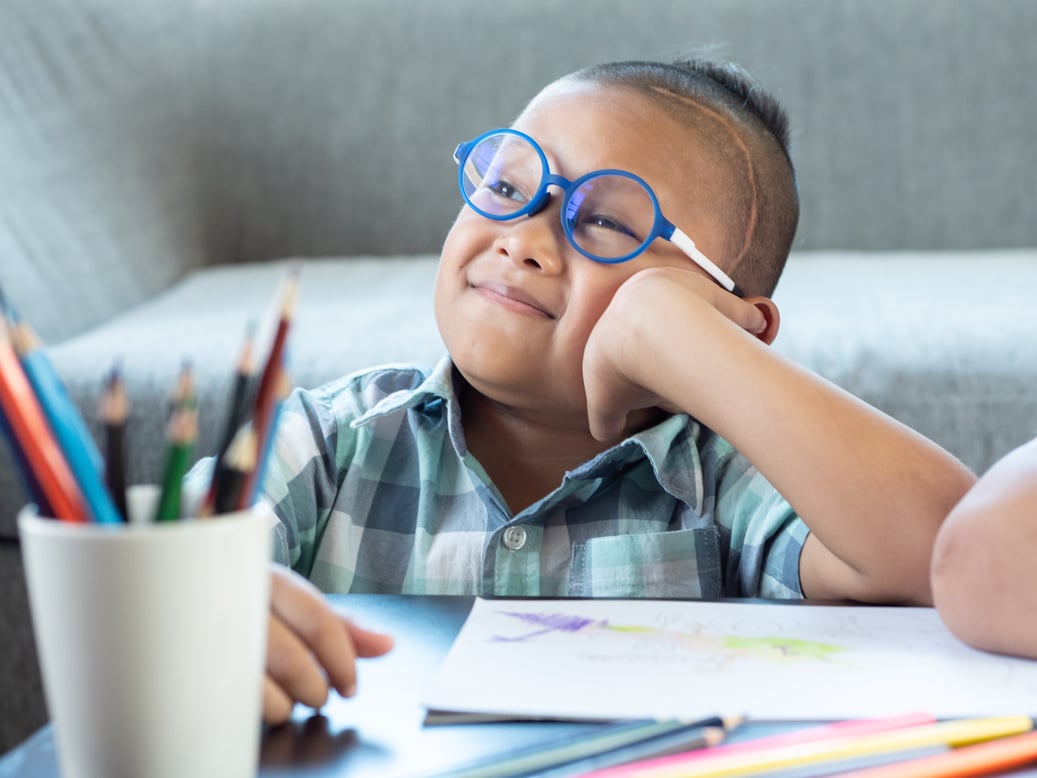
(514, 538)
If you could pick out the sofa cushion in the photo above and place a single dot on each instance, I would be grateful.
(943, 341)
(100, 205)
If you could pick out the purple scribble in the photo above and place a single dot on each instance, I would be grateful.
(549, 622)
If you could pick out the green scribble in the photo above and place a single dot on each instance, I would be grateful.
(774, 649)
(791, 648)
(630, 628)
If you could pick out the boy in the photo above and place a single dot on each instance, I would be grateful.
(984, 559)
(607, 387)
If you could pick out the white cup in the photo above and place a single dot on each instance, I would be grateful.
(151, 639)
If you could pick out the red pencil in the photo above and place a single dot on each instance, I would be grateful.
(266, 394)
(993, 756)
(33, 436)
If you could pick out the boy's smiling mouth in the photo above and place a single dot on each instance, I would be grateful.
(512, 298)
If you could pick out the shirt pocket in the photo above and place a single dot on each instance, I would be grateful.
(682, 563)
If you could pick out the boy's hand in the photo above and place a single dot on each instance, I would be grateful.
(310, 647)
(653, 319)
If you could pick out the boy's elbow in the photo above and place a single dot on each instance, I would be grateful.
(953, 575)
(982, 588)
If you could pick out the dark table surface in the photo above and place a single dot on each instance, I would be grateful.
(378, 733)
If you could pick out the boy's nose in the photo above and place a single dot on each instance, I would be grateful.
(536, 240)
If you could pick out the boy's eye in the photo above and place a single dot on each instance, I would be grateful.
(605, 222)
(507, 190)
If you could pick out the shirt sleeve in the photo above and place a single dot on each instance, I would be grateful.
(310, 453)
(766, 535)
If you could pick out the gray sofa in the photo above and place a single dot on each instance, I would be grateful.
(162, 159)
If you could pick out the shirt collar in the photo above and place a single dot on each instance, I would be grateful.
(436, 389)
(667, 445)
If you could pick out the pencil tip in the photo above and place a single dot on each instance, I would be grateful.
(732, 721)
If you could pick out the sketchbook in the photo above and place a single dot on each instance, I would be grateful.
(637, 659)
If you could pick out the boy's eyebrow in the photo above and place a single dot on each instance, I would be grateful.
(726, 122)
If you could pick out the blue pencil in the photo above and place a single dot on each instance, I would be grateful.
(67, 425)
(267, 443)
(611, 737)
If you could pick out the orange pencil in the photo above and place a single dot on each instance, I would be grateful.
(993, 756)
(32, 434)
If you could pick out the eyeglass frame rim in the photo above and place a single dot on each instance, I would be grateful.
(661, 226)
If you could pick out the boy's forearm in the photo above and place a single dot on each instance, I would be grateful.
(872, 491)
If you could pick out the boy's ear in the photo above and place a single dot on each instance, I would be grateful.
(771, 314)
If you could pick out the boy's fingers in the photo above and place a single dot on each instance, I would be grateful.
(292, 667)
(333, 641)
(367, 642)
(277, 705)
(606, 428)
(303, 610)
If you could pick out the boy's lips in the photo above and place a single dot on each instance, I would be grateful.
(512, 298)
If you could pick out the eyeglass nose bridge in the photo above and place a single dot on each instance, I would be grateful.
(543, 195)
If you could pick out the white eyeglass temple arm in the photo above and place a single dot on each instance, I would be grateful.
(687, 245)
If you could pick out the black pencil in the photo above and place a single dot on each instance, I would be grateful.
(238, 405)
(235, 471)
(114, 411)
(237, 413)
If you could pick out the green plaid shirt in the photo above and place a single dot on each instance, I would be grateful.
(376, 492)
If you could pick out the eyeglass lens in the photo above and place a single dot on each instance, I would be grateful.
(606, 216)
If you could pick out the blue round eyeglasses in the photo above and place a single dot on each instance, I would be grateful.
(609, 216)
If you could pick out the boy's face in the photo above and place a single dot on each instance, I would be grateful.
(515, 302)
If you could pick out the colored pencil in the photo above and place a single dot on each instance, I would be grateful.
(182, 435)
(610, 737)
(687, 741)
(850, 727)
(48, 384)
(237, 407)
(266, 399)
(759, 762)
(66, 424)
(256, 481)
(31, 433)
(986, 758)
(29, 479)
(234, 471)
(182, 390)
(114, 410)
(840, 766)
(237, 414)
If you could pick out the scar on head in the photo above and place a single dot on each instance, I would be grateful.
(726, 122)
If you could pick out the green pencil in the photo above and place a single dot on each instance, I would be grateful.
(182, 435)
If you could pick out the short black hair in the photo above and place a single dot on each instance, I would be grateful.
(763, 221)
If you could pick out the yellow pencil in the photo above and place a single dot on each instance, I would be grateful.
(953, 733)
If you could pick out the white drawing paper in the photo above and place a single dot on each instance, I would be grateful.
(609, 659)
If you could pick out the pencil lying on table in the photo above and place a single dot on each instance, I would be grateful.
(649, 768)
(989, 758)
(908, 740)
(610, 738)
